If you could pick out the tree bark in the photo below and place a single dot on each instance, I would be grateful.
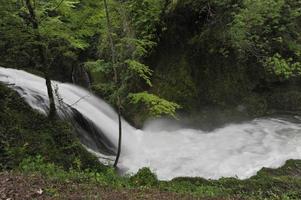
(43, 61)
(52, 109)
(118, 103)
(120, 136)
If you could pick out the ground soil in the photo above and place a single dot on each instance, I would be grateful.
(16, 186)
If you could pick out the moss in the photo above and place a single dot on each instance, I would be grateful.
(282, 183)
(174, 82)
(255, 105)
(25, 133)
(291, 168)
(285, 100)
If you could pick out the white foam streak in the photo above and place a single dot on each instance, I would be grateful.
(233, 151)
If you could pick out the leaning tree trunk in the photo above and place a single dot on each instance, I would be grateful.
(52, 109)
(43, 59)
(118, 102)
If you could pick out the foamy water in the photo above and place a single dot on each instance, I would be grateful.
(237, 150)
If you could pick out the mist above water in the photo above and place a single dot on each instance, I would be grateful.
(236, 150)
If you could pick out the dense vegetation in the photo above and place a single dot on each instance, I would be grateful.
(283, 183)
(230, 53)
(25, 133)
(212, 61)
(48, 151)
(201, 55)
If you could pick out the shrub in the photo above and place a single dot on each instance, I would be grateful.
(144, 177)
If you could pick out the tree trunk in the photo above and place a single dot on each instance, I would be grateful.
(118, 103)
(52, 109)
(120, 137)
(43, 61)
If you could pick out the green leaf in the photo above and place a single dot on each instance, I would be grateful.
(141, 70)
(156, 106)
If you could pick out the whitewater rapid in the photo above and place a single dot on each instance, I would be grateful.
(236, 150)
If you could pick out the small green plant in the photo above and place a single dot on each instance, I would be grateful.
(53, 192)
(107, 177)
(283, 183)
(145, 177)
(38, 164)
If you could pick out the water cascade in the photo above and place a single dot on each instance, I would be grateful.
(236, 150)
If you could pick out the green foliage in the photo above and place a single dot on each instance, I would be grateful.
(54, 27)
(133, 41)
(282, 183)
(270, 184)
(216, 53)
(26, 133)
(206, 48)
(38, 164)
(98, 66)
(267, 30)
(145, 17)
(141, 70)
(105, 177)
(144, 177)
(198, 190)
(157, 107)
(284, 68)
(251, 21)
(65, 28)
(173, 80)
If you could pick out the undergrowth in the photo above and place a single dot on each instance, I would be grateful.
(274, 184)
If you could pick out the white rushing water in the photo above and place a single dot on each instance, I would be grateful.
(237, 150)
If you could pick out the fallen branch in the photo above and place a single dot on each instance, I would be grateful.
(84, 97)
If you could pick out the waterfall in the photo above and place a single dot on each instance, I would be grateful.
(236, 150)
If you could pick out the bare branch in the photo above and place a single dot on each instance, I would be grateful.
(84, 97)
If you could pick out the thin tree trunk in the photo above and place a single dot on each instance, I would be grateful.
(118, 103)
(52, 109)
(120, 135)
(45, 66)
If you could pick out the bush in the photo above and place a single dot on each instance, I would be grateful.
(144, 177)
